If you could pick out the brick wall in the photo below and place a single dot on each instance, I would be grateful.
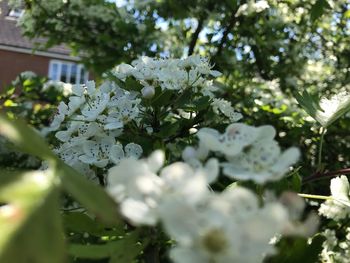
(13, 63)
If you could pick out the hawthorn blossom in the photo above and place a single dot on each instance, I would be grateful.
(331, 109)
(140, 191)
(236, 137)
(262, 162)
(338, 206)
(169, 74)
(251, 152)
(135, 184)
(225, 227)
(335, 249)
(89, 126)
(224, 107)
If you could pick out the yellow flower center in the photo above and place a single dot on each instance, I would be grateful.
(215, 241)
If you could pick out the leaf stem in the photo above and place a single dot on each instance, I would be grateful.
(321, 197)
(319, 162)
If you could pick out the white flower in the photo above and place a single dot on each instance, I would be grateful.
(58, 119)
(28, 75)
(88, 129)
(338, 207)
(148, 92)
(64, 88)
(189, 153)
(122, 109)
(65, 135)
(78, 90)
(192, 157)
(133, 150)
(333, 108)
(251, 152)
(95, 117)
(113, 123)
(224, 106)
(135, 184)
(182, 180)
(75, 103)
(97, 152)
(334, 249)
(340, 189)
(226, 227)
(261, 162)
(93, 108)
(104, 150)
(169, 74)
(236, 137)
(123, 70)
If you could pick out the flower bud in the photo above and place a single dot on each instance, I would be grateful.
(148, 92)
(189, 153)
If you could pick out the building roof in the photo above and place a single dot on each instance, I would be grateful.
(10, 34)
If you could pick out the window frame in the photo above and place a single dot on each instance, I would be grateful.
(60, 63)
(15, 13)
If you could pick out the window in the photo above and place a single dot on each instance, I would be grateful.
(68, 72)
(15, 13)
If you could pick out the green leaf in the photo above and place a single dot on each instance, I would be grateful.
(168, 129)
(293, 250)
(347, 14)
(132, 84)
(30, 222)
(25, 138)
(319, 8)
(161, 97)
(90, 195)
(121, 251)
(296, 182)
(82, 223)
(202, 103)
(308, 102)
(183, 98)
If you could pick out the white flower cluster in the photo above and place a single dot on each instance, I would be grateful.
(338, 206)
(88, 127)
(335, 250)
(24, 76)
(251, 153)
(64, 88)
(171, 74)
(177, 74)
(224, 107)
(230, 226)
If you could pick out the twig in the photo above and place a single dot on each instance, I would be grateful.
(319, 175)
(195, 36)
(232, 22)
(319, 163)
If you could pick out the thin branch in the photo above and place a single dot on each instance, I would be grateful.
(195, 35)
(259, 59)
(319, 162)
(151, 254)
(319, 175)
(232, 22)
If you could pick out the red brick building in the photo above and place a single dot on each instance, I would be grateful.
(18, 54)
